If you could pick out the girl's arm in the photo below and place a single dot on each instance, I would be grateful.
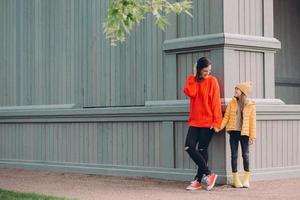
(252, 125)
(226, 116)
(190, 88)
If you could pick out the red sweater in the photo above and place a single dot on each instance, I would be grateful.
(205, 102)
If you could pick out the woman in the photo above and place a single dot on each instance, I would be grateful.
(205, 117)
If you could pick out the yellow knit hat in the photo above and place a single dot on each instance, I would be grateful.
(245, 87)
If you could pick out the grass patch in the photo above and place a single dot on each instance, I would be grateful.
(10, 195)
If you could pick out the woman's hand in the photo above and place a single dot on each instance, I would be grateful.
(217, 130)
(195, 69)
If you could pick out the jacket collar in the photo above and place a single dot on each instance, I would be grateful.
(249, 102)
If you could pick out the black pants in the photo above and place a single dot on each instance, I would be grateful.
(235, 138)
(202, 137)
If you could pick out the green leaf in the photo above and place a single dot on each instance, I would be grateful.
(124, 14)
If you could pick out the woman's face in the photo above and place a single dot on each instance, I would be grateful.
(237, 92)
(205, 72)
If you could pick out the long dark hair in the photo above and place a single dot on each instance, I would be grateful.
(242, 101)
(201, 63)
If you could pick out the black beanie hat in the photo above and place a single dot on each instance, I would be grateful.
(202, 63)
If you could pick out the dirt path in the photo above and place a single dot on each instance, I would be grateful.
(92, 187)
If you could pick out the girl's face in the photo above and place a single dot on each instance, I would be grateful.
(204, 73)
(237, 92)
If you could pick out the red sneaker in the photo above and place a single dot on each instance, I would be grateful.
(209, 181)
(194, 185)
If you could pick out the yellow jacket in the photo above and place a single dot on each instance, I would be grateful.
(249, 118)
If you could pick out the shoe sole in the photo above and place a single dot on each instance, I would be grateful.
(192, 189)
(213, 184)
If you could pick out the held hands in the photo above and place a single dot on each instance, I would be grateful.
(217, 130)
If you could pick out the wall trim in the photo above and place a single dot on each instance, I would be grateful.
(109, 170)
(289, 82)
(160, 173)
(219, 40)
(37, 107)
(159, 112)
(275, 173)
(110, 114)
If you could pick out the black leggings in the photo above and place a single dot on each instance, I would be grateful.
(202, 137)
(235, 138)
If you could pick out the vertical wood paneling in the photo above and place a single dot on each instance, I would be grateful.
(118, 76)
(207, 18)
(129, 62)
(250, 66)
(294, 157)
(154, 60)
(298, 138)
(132, 144)
(244, 17)
(287, 33)
(276, 145)
(135, 147)
(36, 37)
(182, 159)
(280, 145)
(273, 130)
(55, 52)
(287, 62)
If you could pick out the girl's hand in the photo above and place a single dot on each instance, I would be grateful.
(215, 129)
(195, 69)
(251, 141)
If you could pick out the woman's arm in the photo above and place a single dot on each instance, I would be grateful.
(190, 88)
(216, 104)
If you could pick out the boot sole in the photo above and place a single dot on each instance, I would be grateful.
(192, 189)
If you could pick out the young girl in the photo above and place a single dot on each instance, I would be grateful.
(240, 122)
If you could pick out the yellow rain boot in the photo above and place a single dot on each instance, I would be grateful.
(246, 177)
(236, 180)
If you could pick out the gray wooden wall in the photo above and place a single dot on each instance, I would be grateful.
(124, 143)
(287, 61)
(244, 17)
(69, 101)
(54, 52)
(250, 20)
(148, 143)
(41, 53)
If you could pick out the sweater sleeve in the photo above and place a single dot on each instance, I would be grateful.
(226, 116)
(190, 88)
(252, 124)
(216, 104)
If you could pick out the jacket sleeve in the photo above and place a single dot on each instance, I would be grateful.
(226, 116)
(190, 88)
(216, 104)
(252, 124)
